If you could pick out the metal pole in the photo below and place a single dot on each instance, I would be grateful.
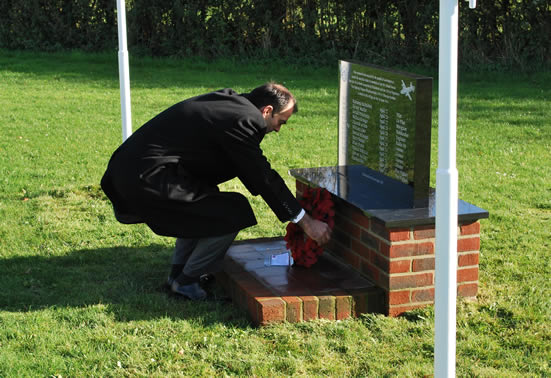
(124, 75)
(446, 195)
(344, 68)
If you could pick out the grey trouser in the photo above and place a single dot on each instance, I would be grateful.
(201, 256)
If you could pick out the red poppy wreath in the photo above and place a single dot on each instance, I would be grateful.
(318, 203)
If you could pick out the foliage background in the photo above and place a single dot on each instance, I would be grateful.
(511, 34)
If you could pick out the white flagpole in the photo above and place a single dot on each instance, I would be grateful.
(124, 75)
(446, 194)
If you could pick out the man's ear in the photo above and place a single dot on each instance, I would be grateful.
(266, 110)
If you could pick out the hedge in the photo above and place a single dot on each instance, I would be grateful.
(509, 33)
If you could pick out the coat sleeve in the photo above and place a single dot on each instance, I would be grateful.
(242, 143)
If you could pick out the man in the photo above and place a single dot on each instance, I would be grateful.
(166, 175)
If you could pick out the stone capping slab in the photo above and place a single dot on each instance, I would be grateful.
(328, 290)
(339, 180)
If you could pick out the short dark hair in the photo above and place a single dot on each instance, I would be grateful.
(272, 94)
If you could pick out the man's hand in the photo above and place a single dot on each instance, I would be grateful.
(317, 230)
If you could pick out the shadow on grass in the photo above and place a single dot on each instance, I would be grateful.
(130, 282)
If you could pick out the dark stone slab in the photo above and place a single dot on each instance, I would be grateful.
(380, 196)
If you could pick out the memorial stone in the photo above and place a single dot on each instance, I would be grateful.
(385, 125)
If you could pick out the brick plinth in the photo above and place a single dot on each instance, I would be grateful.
(328, 290)
(400, 260)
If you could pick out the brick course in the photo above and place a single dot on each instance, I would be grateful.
(270, 310)
(310, 307)
(293, 309)
(327, 307)
(423, 264)
(343, 306)
(400, 260)
(468, 259)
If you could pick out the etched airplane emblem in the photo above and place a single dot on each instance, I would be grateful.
(407, 90)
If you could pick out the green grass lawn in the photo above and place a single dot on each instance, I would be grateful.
(81, 294)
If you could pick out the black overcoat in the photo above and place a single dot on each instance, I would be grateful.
(166, 173)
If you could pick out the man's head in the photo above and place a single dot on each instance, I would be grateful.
(276, 104)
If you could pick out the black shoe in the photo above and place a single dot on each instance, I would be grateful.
(207, 280)
(192, 291)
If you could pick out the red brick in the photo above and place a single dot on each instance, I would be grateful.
(293, 309)
(309, 307)
(337, 248)
(469, 244)
(470, 229)
(399, 234)
(409, 249)
(352, 259)
(344, 254)
(360, 248)
(423, 232)
(468, 259)
(347, 227)
(343, 304)
(399, 266)
(410, 281)
(341, 237)
(352, 213)
(361, 219)
(370, 241)
(371, 271)
(467, 275)
(399, 297)
(326, 307)
(384, 249)
(270, 310)
(253, 307)
(423, 264)
(378, 228)
(467, 290)
(398, 310)
(425, 295)
(390, 234)
(380, 262)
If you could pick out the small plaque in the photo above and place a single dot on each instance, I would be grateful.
(279, 259)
